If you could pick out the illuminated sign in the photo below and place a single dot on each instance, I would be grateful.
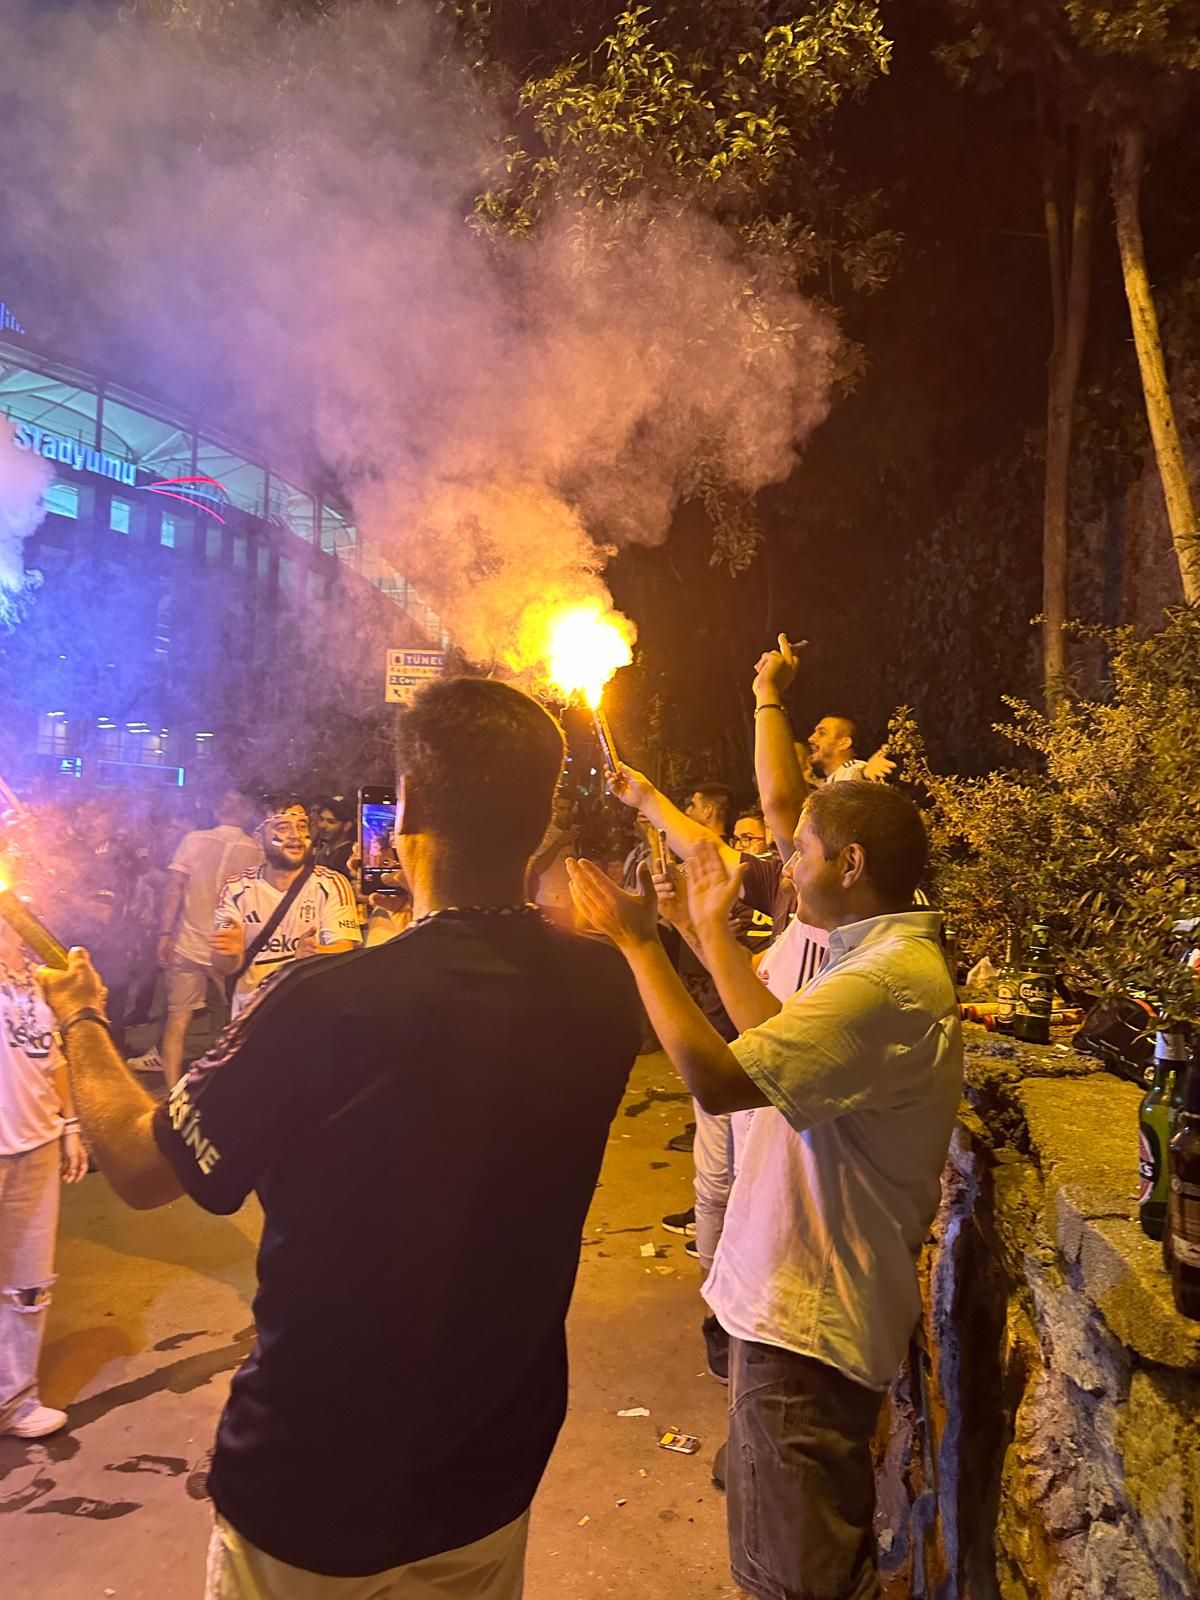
(7, 321)
(205, 493)
(407, 670)
(28, 436)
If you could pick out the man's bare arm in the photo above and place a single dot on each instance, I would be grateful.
(782, 786)
(684, 834)
(113, 1108)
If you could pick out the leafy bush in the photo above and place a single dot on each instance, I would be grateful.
(1099, 836)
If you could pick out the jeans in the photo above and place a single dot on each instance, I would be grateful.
(493, 1568)
(801, 1484)
(29, 1189)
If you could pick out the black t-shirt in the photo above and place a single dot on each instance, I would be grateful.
(424, 1123)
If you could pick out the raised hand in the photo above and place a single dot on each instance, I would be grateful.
(626, 919)
(68, 990)
(670, 889)
(775, 670)
(713, 886)
(632, 788)
(880, 766)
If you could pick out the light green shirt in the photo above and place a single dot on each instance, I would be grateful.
(837, 1185)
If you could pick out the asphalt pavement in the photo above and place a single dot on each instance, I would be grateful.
(152, 1314)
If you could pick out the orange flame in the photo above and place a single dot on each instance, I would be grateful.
(586, 646)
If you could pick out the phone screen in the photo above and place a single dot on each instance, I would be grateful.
(376, 840)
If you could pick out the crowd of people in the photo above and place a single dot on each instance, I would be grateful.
(419, 1087)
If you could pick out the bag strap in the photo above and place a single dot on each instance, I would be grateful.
(273, 921)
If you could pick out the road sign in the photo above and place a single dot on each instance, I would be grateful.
(407, 670)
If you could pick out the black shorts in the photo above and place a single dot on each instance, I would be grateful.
(800, 1480)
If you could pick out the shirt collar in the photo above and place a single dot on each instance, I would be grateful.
(871, 930)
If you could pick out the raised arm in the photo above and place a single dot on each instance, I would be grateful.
(684, 835)
(782, 786)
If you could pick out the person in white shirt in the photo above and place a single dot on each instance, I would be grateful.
(858, 1079)
(39, 1145)
(202, 863)
(321, 920)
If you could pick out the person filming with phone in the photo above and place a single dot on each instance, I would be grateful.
(424, 1124)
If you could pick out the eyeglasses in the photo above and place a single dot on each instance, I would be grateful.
(749, 838)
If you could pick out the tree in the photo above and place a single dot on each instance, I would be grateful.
(723, 106)
(1106, 76)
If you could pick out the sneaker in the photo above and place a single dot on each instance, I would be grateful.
(682, 1222)
(36, 1424)
(716, 1345)
(150, 1062)
(690, 1249)
(718, 1468)
(683, 1142)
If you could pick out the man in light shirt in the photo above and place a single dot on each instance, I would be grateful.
(859, 1077)
(205, 859)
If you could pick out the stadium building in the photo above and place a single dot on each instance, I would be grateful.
(192, 591)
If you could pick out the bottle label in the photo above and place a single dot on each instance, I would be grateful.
(1150, 1171)
(1036, 994)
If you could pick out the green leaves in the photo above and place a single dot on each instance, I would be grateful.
(1102, 836)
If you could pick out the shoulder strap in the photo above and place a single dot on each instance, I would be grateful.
(273, 921)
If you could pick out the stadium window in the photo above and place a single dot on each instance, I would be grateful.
(120, 515)
(167, 531)
(52, 733)
(239, 551)
(264, 564)
(63, 500)
(175, 532)
(213, 541)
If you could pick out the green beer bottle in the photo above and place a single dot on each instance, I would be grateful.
(1010, 972)
(1170, 1053)
(1035, 989)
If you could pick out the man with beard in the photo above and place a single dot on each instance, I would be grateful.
(289, 909)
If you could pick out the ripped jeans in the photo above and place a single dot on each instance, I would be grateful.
(29, 1191)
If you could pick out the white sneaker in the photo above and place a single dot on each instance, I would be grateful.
(36, 1424)
(150, 1062)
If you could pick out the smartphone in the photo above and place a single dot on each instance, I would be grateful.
(379, 865)
(659, 858)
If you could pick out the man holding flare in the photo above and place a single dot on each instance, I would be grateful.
(858, 1079)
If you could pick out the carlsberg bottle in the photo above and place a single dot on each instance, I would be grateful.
(1010, 972)
(1035, 989)
(1170, 1054)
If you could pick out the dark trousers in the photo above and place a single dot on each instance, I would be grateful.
(800, 1482)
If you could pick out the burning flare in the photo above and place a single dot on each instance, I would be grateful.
(585, 647)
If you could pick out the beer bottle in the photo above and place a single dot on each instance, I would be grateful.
(1170, 1052)
(1035, 989)
(1183, 1200)
(1006, 983)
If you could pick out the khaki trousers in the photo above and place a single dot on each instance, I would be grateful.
(492, 1568)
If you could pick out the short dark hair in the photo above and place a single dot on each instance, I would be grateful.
(850, 726)
(482, 762)
(722, 795)
(884, 823)
(273, 804)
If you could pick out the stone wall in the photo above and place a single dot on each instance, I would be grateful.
(1043, 1442)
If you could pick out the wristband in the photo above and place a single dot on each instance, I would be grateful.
(84, 1014)
(70, 1123)
(770, 705)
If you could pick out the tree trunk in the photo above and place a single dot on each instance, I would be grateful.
(1071, 281)
(1129, 153)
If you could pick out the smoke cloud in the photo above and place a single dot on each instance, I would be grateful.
(24, 479)
(272, 222)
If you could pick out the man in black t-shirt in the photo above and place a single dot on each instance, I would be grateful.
(423, 1122)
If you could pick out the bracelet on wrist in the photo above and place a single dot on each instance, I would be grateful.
(69, 1123)
(84, 1014)
(770, 705)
